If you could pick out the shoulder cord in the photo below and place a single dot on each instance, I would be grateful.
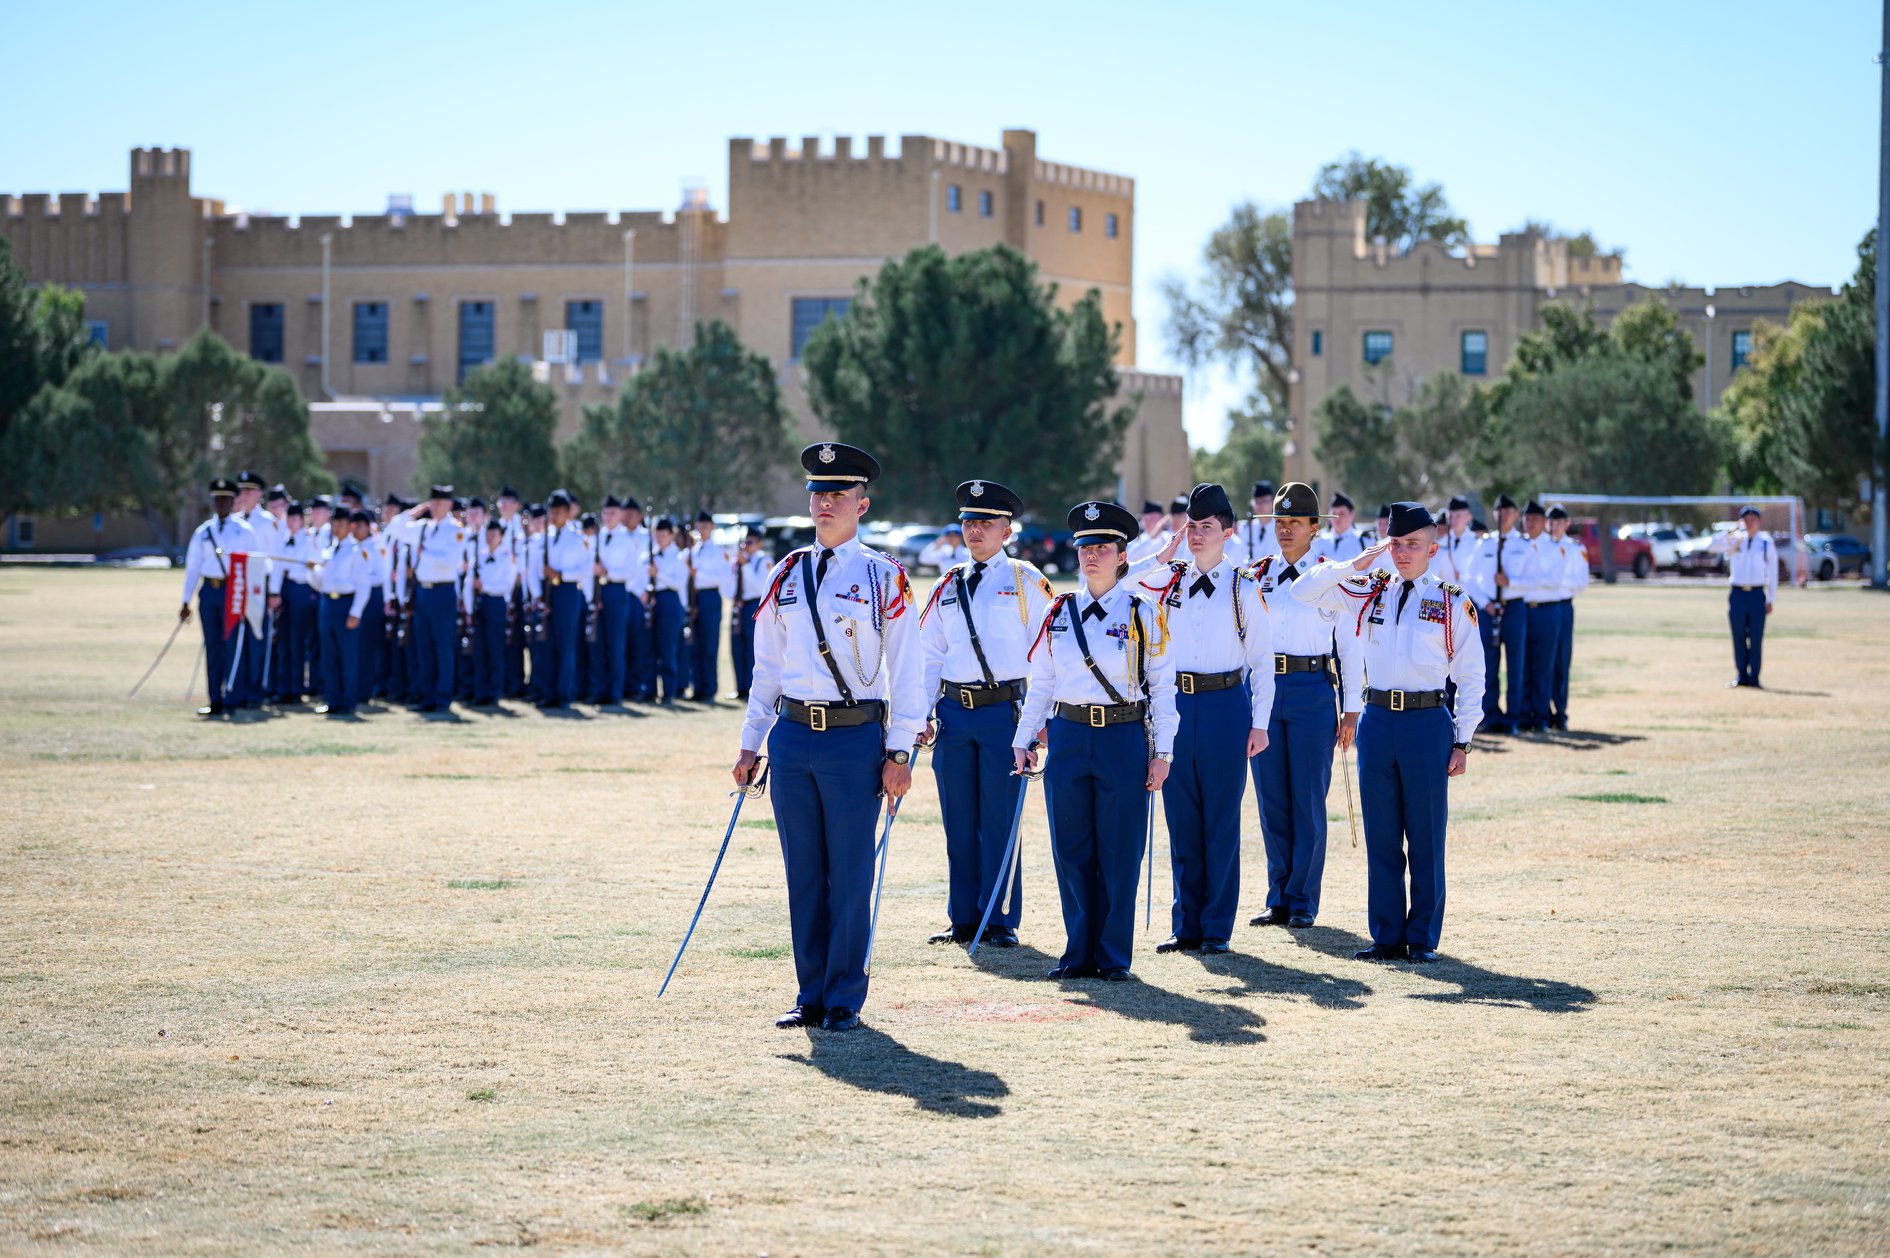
(879, 630)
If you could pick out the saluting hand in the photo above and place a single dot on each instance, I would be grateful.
(1370, 553)
(1174, 544)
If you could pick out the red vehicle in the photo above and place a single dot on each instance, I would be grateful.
(1631, 554)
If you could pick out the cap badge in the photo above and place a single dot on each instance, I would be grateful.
(826, 454)
(1093, 513)
(977, 489)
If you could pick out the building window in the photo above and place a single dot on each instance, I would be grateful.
(984, 205)
(1110, 225)
(1040, 213)
(370, 331)
(954, 198)
(586, 318)
(1377, 346)
(476, 338)
(99, 332)
(1318, 343)
(810, 313)
(265, 333)
(1742, 348)
(1076, 218)
(1475, 355)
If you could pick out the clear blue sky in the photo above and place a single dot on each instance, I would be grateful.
(1719, 143)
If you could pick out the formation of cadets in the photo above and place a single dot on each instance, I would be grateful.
(447, 600)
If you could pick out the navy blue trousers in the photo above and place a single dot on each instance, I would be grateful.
(567, 631)
(741, 643)
(541, 686)
(1505, 642)
(249, 676)
(826, 801)
(382, 669)
(1099, 810)
(489, 650)
(1202, 798)
(708, 645)
(667, 641)
(610, 654)
(1746, 610)
(1403, 759)
(217, 645)
(436, 624)
(295, 638)
(515, 649)
(1292, 777)
(341, 681)
(1564, 656)
(639, 652)
(1545, 642)
(977, 796)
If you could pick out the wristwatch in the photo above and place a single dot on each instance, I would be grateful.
(899, 757)
(1166, 757)
(1463, 747)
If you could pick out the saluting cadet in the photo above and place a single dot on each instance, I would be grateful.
(1752, 574)
(344, 579)
(714, 571)
(295, 630)
(1452, 561)
(1101, 664)
(670, 586)
(1502, 569)
(1154, 534)
(1409, 743)
(751, 582)
(615, 564)
(568, 564)
(976, 632)
(1294, 772)
(837, 659)
(639, 646)
(438, 546)
(1570, 577)
(1255, 539)
(207, 570)
(490, 588)
(1340, 542)
(1222, 650)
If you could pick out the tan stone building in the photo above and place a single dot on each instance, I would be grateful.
(377, 314)
(1382, 321)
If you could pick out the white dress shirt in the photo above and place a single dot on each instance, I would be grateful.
(208, 554)
(1210, 636)
(1518, 561)
(672, 570)
(1059, 675)
(1307, 629)
(751, 577)
(567, 553)
(620, 560)
(297, 545)
(714, 567)
(346, 571)
(1009, 605)
(1751, 561)
(1452, 561)
(1146, 545)
(1563, 569)
(439, 547)
(638, 542)
(942, 554)
(866, 609)
(1253, 540)
(494, 573)
(1432, 640)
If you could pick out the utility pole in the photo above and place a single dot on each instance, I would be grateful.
(1879, 500)
(629, 290)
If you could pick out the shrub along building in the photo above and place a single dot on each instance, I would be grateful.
(376, 315)
(1382, 321)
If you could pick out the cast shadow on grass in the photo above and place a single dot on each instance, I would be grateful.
(1141, 1001)
(1259, 977)
(568, 712)
(873, 1061)
(1475, 985)
(1583, 739)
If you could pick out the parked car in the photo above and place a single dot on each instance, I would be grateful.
(1664, 539)
(1631, 554)
(1696, 553)
(1050, 550)
(786, 533)
(1831, 554)
(910, 544)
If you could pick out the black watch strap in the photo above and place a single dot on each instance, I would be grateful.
(899, 757)
(1460, 746)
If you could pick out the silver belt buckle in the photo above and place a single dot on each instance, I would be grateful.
(1397, 701)
(817, 717)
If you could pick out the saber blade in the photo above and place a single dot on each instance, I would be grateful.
(165, 650)
(755, 780)
(879, 888)
(1007, 867)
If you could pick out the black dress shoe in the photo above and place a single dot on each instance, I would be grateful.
(840, 1018)
(1175, 943)
(1000, 936)
(800, 1015)
(1214, 947)
(1274, 916)
(954, 934)
(1117, 976)
(1420, 956)
(1380, 952)
(1066, 972)
(1299, 921)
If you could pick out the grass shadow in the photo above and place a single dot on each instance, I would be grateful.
(1258, 977)
(1206, 1021)
(873, 1061)
(565, 713)
(1475, 984)
(1585, 740)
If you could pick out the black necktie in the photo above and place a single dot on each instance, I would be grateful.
(1203, 584)
(1288, 573)
(1404, 593)
(820, 572)
(1094, 612)
(977, 575)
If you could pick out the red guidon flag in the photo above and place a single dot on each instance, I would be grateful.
(236, 592)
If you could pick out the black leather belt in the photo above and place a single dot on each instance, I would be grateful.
(1747, 588)
(821, 717)
(1404, 700)
(1549, 602)
(1204, 683)
(1284, 664)
(975, 694)
(603, 581)
(339, 593)
(215, 583)
(433, 585)
(1097, 715)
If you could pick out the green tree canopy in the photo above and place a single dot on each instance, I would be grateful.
(1255, 449)
(1397, 207)
(496, 429)
(1581, 244)
(1425, 450)
(696, 428)
(961, 367)
(42, 336)
(1242, 314)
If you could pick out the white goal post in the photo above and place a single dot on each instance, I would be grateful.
(1794, 508)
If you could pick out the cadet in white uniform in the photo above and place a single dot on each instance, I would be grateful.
(1340, 541)
(207, 571)
(1153, 537)
(1752, 574)
(1254, 538)
(1455, 546)
(751, 582)
(1563, 578)
(490, 588)
(1502, 571)
(439, 550)
(344, 579)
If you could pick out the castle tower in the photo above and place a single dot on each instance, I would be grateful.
(164, 251)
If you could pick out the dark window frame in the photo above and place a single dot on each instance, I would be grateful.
(801, 328)
(986, 203)
(267, 348)
(1372, 360)
(370, 333)
(1465, 354)
(1111, 225)
(488, 313)
(585, 317)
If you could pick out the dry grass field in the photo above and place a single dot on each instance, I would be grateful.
(286, 984)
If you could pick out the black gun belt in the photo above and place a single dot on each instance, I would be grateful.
(975, 694)
(1404, 700)
(1098, 715)
(821, 717)
(1205, 683)
(1284, 664)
